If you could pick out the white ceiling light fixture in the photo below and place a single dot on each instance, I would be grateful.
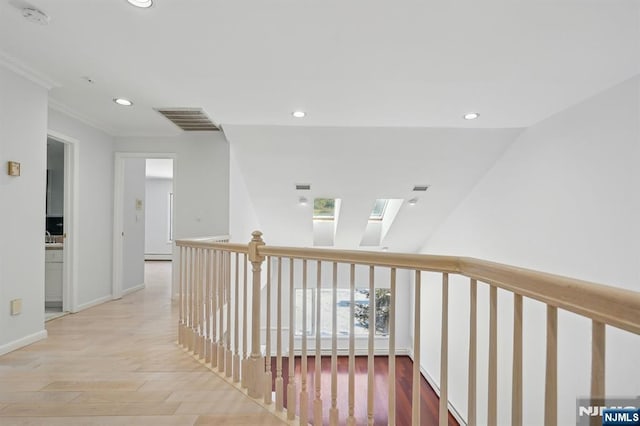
(122, 101)
(303, 201)
(471, 116)
(141, 3)
(299, 114)
(413, 201)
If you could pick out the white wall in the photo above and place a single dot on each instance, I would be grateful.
(157, 217)
(563, 199)
(23, 136)
(242, 215)
(94, 251)
(133, 209)
(201, 182)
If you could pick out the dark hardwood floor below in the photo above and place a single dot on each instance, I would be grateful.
(404, 370)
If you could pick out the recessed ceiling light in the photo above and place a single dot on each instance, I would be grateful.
(471, 116)
(298, 114)
(413, 201)
(141, 3)
(303, 201)
(123, 101)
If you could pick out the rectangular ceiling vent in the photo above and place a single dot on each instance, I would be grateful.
(189, 119)
(303, 187)
(421, 187)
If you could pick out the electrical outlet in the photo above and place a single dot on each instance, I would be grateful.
(16, 307)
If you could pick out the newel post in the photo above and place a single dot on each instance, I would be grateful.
(255, 363)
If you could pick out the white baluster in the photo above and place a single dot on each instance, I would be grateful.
(304, 395)
(333, 412)
(268, 377)
(415, 404)
(279, 380)
(392, 350)
(291, 385)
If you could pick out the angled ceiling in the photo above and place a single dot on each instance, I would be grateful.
(358, 166)
(357, 63)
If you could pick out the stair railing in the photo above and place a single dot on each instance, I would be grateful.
(217, 311)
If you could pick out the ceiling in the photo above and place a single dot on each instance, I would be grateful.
(357, 63)
(358, 166)
(384, 86)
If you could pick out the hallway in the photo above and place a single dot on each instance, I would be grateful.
(118, 364)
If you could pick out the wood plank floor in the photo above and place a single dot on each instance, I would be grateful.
(118, 364)
(404, 379)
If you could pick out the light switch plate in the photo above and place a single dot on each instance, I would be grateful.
(16, 306)
(13, 168)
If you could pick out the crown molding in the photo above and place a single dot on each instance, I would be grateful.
(57, 106)
(27, 72)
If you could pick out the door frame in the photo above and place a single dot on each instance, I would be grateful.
(118, 214)
(71, 219)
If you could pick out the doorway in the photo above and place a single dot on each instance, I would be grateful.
(143, 217)
(59, 234)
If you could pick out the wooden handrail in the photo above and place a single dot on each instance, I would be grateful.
(613, 306)
(217, 245)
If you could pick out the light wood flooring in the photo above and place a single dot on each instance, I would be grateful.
(118, 364)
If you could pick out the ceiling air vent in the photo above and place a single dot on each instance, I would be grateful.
(189, 119)
(421, 187)
(303, 187)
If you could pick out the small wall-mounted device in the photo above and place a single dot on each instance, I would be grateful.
(13, 168)
(16, 306)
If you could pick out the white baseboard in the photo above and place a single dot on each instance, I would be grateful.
(23, 341)
(132, 289)
(93, 303)
(436, 389)
(161, 256)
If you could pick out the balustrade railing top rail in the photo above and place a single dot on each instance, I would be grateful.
(613, 306)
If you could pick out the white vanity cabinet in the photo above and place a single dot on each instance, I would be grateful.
(53, 275)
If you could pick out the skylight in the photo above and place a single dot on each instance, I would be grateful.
(324, 208)
(377, 213)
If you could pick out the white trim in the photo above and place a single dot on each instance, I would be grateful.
(27, 72)
(118, 220)
(454, 412)
(133, 289)
(96, 302)
(55, 105)
(23, 341)
(158, 256)
(71, 219)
